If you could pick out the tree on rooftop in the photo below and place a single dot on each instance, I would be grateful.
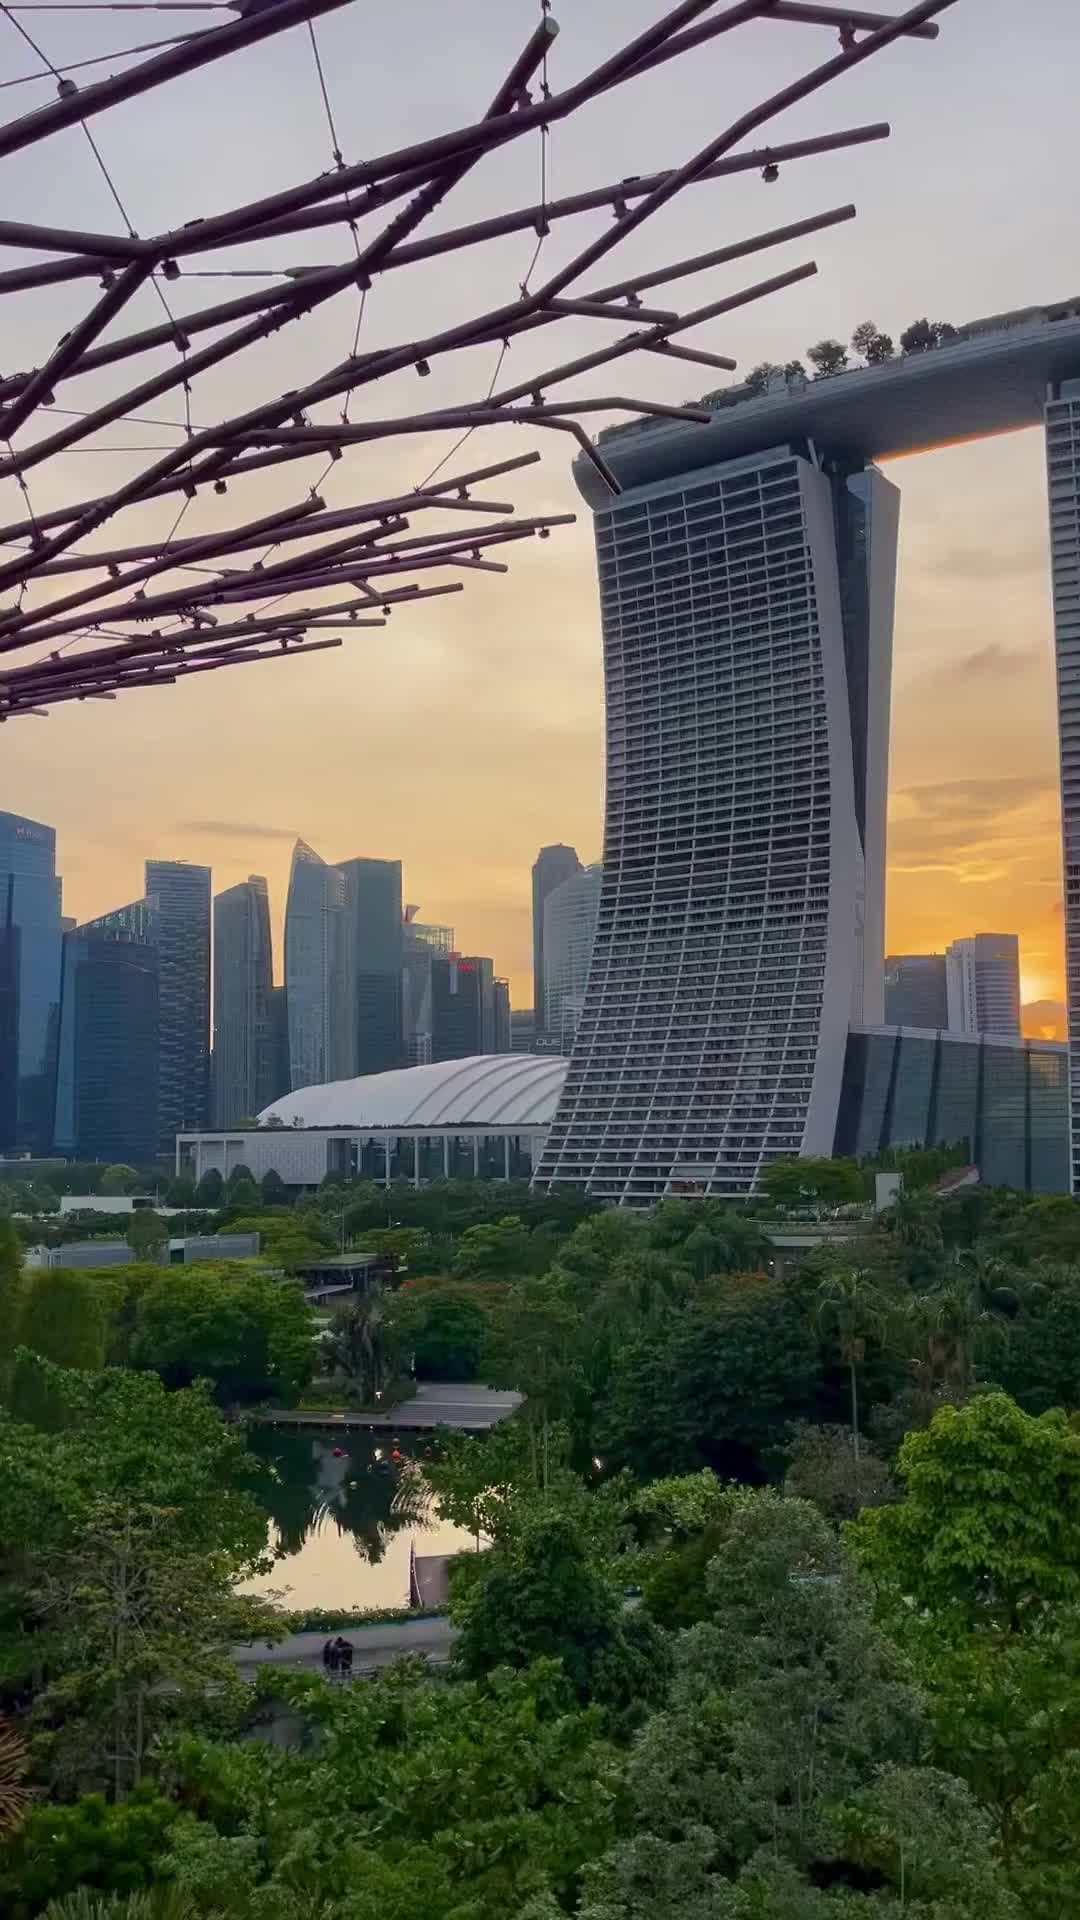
(871, 344)
(827, 357)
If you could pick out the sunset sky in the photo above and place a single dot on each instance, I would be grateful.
(469, 732)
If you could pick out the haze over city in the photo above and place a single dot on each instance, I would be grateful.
(469, 732)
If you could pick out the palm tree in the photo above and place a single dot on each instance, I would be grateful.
(849, 1307)
(13, 1795)
(953, 1320)
(366, 1345)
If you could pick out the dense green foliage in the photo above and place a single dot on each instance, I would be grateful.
(776, 1608)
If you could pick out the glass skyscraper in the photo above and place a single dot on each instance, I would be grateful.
(30, 964)
(180, 896)
(747, 625)
(109, 1053)
(569, 929)
(421, 943)
(915, 994)
(243, 1077)
(551, 867)
(317, 971)
(463, 1006)
(376, 957)
(982, 977)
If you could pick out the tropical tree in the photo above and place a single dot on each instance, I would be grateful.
(810, 1183)
(824, 1466)
(65, 1320)
(784, 1701)
(871, 344)
(758, 377)
(14, 1795)
(369, 1345)
(231, 1323)
(826, 357)
(849, 1310)
(147, 1233)
(951, 1322)
(121, 1537)
(988, 1533)
(210, 1191)
(538, 1593)
(497, 1250)
(926, 333)
(120, 1179)
(12, 1296)
(533, 1347)
(716, 1383)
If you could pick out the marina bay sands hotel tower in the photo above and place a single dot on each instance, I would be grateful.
(746, 572)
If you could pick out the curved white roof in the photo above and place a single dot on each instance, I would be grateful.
(483, 1090)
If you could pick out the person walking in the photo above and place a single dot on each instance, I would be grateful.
(344, 1651)
(328, 1655)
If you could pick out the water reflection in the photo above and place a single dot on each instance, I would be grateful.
(342, 1515)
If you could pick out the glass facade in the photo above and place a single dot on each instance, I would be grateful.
(29, 982)
(107, 1073)
(551, 867)
(376, 958)
(915, 994)
(243, 980)
(908, 1118)
(462, 1006)
(420, 1158)
(569, 930)
(1006, 1102)
(180, 896)
(317, 973)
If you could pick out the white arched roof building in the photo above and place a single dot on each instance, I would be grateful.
(484, 1116)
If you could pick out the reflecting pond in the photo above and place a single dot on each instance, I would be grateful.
(342, 1515)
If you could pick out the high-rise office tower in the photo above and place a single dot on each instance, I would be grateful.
(501, 1015)
(181, 898)
(569, 928)
(280, 1077)
(317, 971)
(30, 958)
(243, 978)
(522, 1030)
(747, 625)
(422, 943)
(551, 867)
(463, 1006)
(375, 959)
(109, 1051)
(915, 990)
(983, 979)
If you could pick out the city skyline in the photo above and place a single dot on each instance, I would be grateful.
(422, 734)
(272, 849)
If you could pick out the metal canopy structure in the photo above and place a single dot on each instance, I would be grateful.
(82, 620)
